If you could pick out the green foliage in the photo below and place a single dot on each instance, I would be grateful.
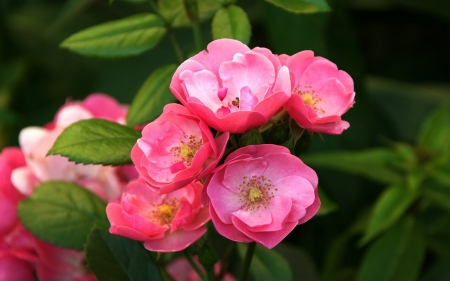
(117, 39)
(151, 97)
(434, 136)
(375, 164)
(397, 255)
(231, 22)
(175, 12)
(62, 213)
(250, 137)
(267, 265)
(302, 6)
(92, 141)
(326, 205)
(390, 206)
(116, 258)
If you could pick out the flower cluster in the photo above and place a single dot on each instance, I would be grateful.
(261, 192)
(23, 256)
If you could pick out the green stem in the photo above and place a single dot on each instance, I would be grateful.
(194, 265)
(226, 259)
(176, 46)
(197, 36)
(211, 275)
(247, 261)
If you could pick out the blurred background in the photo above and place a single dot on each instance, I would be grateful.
(397, 52)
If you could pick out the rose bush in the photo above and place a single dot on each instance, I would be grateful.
(320, 93)
(232, 88)
(260, 194)
(176, 149)
(165, 223)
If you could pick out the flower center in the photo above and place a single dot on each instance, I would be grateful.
(164, 213)
(255, 192)
(186, 151)
(310, 98)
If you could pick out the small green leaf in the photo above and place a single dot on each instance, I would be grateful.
(117, 39)
(96, 141)
(390, 206)
(174, 11)
(152, 96)
(208, 257)
(375, 164)
(438, 193)
(250, 137)
(62, 213)
(267, 265)
(326, 205)
(302, 6)
(116, 258)
(397, 255)
(231, 22)
(434, 135)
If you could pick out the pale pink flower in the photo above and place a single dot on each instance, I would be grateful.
(231, 87)
(260, 194)
(165, 223)
(180, 270)
(320, 93)
(176, 149)
(35, 142)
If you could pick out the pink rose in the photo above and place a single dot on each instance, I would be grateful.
(181, 270)
(166, 223)
(260, 194)
(35, 142)
(176, 149)
(320, 94)
(232, 88)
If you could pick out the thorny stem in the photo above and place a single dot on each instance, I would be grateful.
(194, 265)
(247, 261)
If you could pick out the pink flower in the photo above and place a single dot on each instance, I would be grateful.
(260, 194)
(181, 270)
(320, 94)
(176, 149)
(35, 142)
(166, 223)
(231, 87)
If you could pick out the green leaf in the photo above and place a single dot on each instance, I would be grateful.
(267, 265)
(117, 39)
(252, 136)
(96, 141)
(438, 193)
(374, 164)
(434, 134)
(231, 22)
(326, 205)
(390, 206)
(397, 255)
(175, 13)
(152, 96)
(302, 6)
(62, 213)
(208, 257)
(116, 258)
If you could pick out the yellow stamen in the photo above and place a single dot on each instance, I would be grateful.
(308, 99)
(186, 152)
(255, 195)
(166, 212)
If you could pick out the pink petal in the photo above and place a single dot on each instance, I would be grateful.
(239, 171)
(279, 209)
(202, 85)
(312, 209)
(224, 201)
(175, 241)
(247, 99)
(227, 230)
(256, 151)
(253, 218)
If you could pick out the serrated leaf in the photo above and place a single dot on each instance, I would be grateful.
(302, 6)
(116, 258)
(326, 205)
(62, 213)
(434, 135)
(267, 265)
(174, 11)
(96, 141)
(231, 22)
(251, 137)
(152, 96)
(374, 164)
(390, 206)
(117, 39)
(397, 255)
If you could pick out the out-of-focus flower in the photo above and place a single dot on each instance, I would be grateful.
(180, 270)
(232, 88)
(320, 94)
(35, 142)
(166, 223)
(260, 194)
(176, 149)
